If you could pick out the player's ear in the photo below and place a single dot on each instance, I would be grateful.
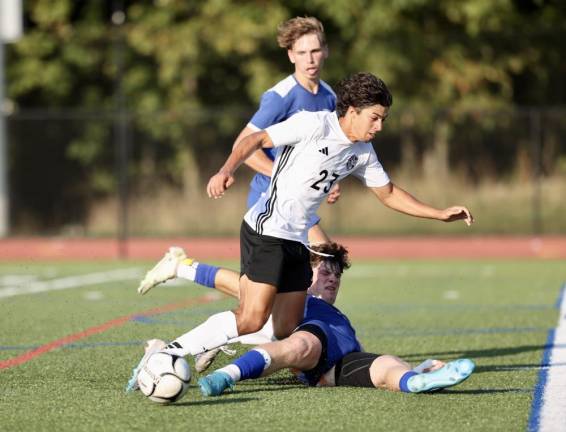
(352, 111)
(291, 56)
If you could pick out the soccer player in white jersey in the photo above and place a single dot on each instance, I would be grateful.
(315, 150)
(305, 42)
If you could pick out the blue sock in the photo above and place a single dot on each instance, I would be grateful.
(403, 381)
(251, 364)
(205, 274)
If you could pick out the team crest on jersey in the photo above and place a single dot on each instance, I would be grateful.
(351, 162)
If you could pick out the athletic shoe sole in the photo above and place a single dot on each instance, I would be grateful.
(451, 374)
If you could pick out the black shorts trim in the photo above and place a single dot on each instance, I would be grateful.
(313, 375)
(282, 263)
(353, 370)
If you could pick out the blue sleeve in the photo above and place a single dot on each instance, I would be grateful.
(271, 110)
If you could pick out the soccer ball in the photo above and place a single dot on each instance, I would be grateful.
(164, 378)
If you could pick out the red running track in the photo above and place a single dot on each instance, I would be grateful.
(545, 247)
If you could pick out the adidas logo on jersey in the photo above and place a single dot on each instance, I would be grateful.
(324, 151)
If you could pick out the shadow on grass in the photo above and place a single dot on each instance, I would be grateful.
(262, 389)
(482, 391)
(476, 353)
(215, 401)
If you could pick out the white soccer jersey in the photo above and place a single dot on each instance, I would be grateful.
(313, 153)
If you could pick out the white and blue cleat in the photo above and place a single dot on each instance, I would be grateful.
(215, 383)
(151, 346)
(451, 374)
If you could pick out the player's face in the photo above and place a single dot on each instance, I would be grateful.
(308, 56)
(367, 122)
(326, 282)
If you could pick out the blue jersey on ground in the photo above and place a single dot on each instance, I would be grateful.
(340, 335)
(279, 103)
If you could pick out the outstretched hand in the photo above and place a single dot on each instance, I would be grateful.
(218, 184)
(457, 213)
(334, 194)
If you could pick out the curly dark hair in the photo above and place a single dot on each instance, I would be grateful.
(360, 91)
(339, 257)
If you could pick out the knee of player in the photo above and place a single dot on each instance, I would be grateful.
(305, 349)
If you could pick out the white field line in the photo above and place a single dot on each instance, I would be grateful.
(553, 410)
(71, 282)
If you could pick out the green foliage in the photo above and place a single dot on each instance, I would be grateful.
(171, 63)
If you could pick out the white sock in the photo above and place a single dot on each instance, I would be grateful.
(216, 331)
(187, 269)
(233, 371)
(264, 335)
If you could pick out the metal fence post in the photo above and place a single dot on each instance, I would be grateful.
(4, 190)
(121, 132)
(536, 144)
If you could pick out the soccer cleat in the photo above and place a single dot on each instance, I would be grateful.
(215, 383)
(450, 374)
(151, 346)
(164, 270)
(204, 360)
(428, 365)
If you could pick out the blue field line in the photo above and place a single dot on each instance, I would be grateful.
(410, 332)
(534, 418)
(560, 297)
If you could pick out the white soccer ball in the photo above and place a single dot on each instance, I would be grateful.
(164, 378)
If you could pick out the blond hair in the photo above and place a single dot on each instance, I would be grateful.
(291, 30)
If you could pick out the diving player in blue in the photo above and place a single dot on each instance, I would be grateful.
(304, 40)
(324, 350)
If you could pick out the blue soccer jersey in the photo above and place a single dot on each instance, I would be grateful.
(340, 335)
(279, 103)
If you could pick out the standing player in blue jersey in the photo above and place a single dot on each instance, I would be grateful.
(304, 40)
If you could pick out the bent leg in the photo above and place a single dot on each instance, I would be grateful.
(256, 303)
(386, 372)
(301, 351)
(228, 282)
(288, 312)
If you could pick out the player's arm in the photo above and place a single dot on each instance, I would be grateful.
(222, 180)
(258, 161)
(398, 199)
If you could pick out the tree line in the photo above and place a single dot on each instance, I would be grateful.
(182, 77)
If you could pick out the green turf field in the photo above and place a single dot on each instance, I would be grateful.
(497, 313)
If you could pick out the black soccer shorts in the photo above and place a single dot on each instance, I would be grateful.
(353, 370)
(282, 263)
